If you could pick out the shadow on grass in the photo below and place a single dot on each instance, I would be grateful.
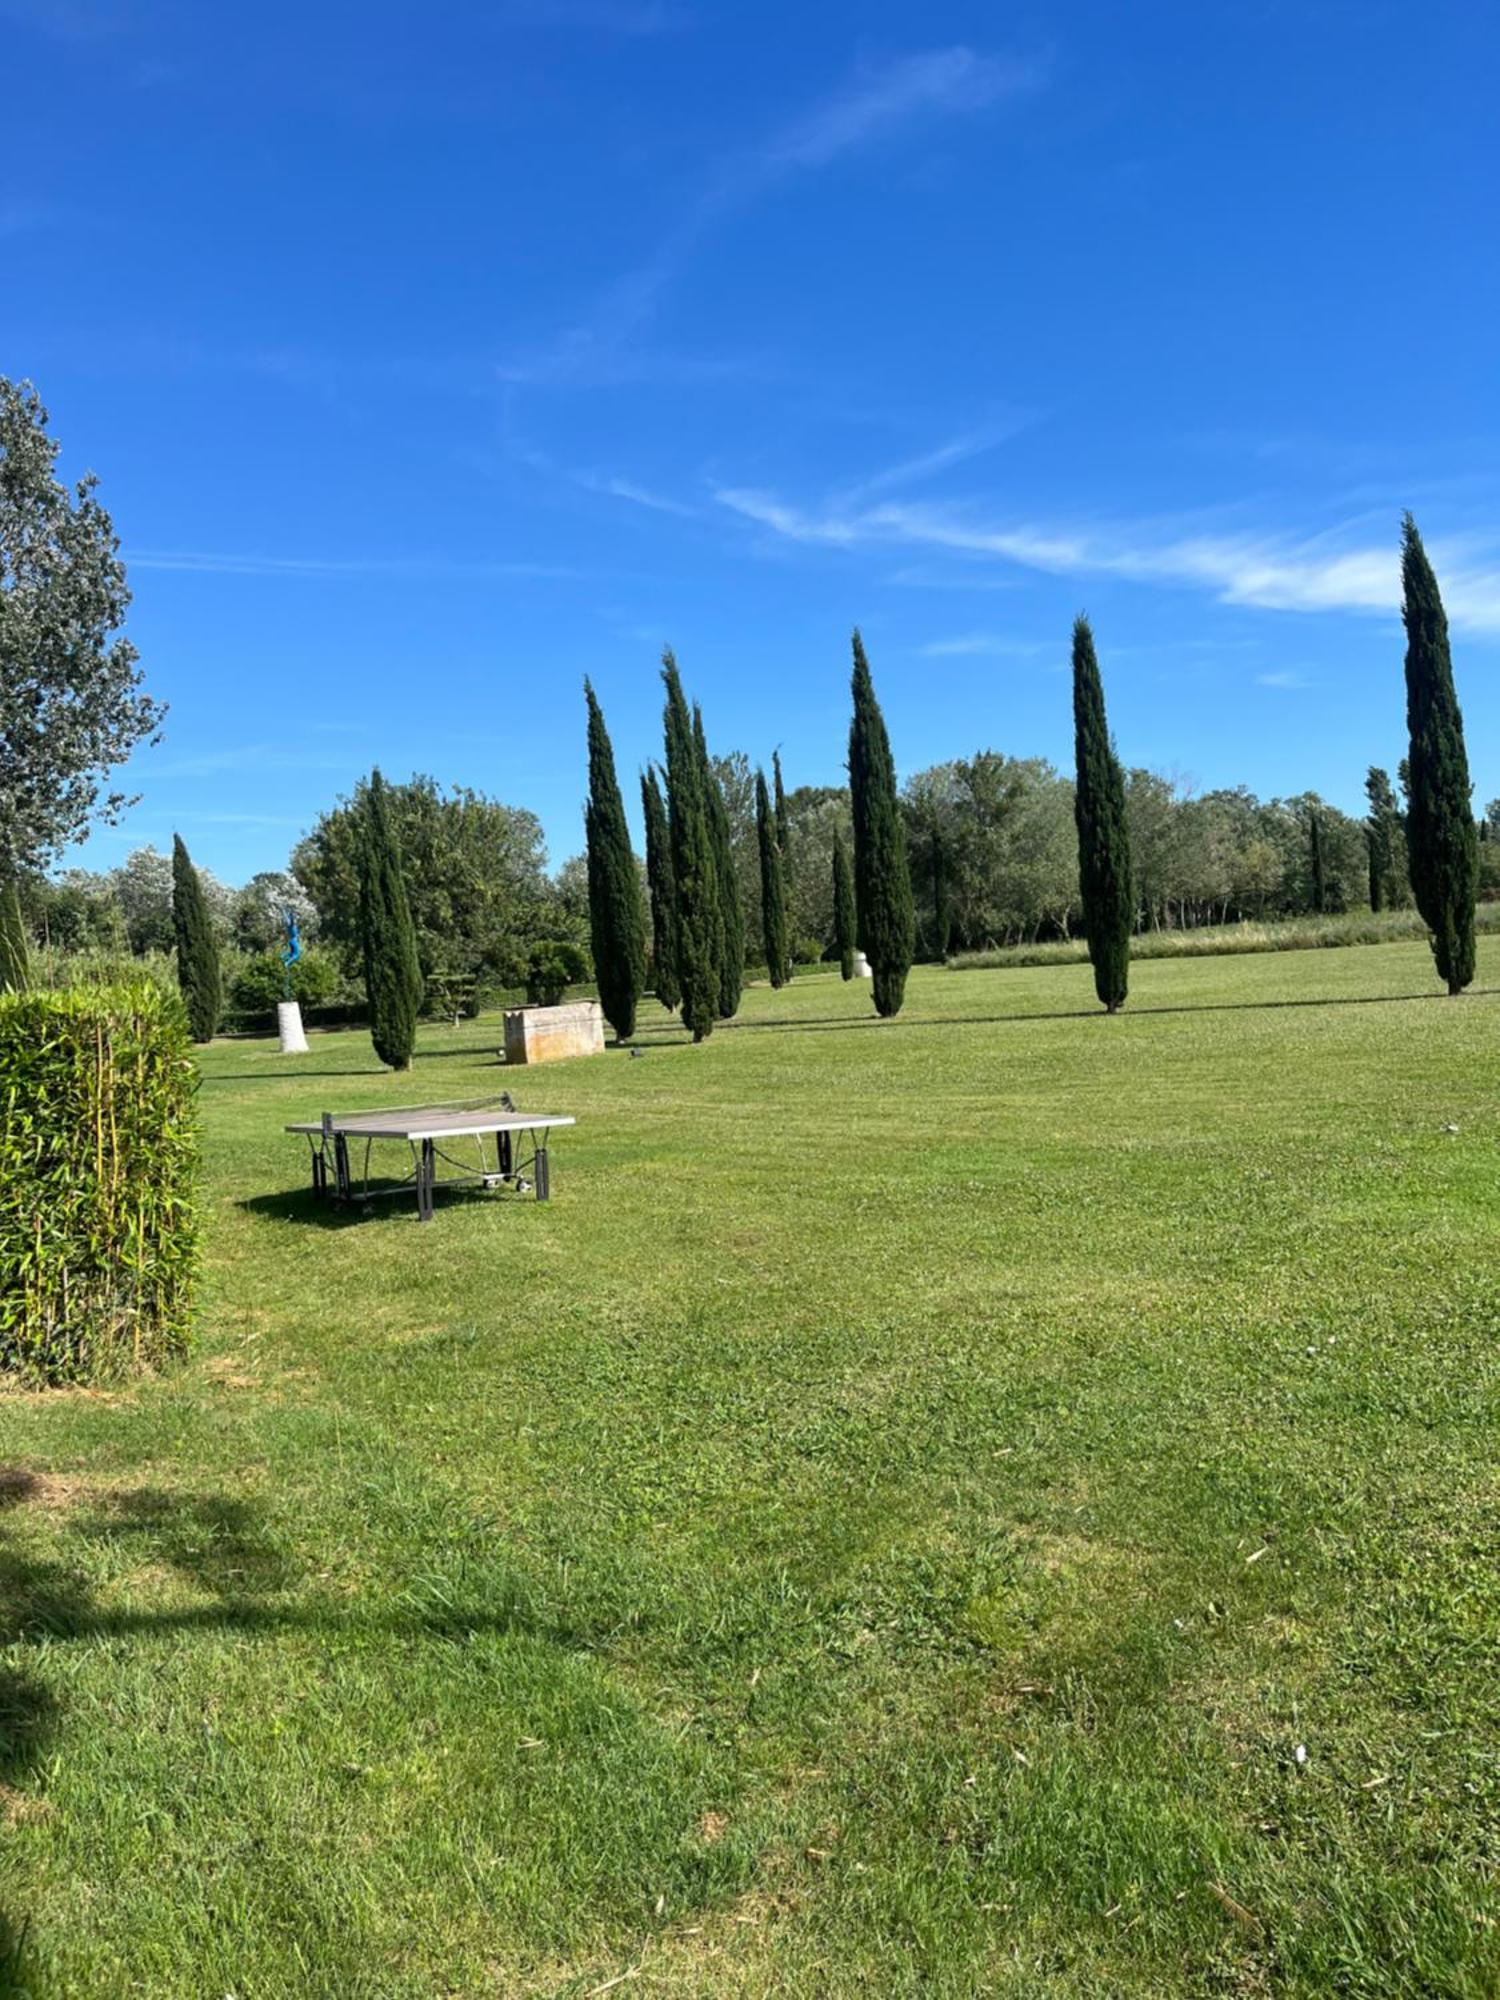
(319, 1212)
(825, 1022)
(217, 1543)
(284, 1075)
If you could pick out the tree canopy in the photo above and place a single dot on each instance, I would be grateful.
(71, 700)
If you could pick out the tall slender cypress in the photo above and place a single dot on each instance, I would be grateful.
(783, 830)
(617, 921)
(882, 879)
(663, 893)
(732, 917)
(1385, 839)
(197, 949)
(699, 927)
(845, 921)
(1442, 846)
(393, 978)
(1105, 886)
(772, 887)
(1316, 871)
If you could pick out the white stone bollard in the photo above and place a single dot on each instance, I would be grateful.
(862, 966)
(289, 1027)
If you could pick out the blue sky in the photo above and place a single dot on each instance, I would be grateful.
(434, 357)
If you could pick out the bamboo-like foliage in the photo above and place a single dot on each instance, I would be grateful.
(98, 1183)
(15, 957)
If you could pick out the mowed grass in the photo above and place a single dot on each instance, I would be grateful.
(1002, 1501)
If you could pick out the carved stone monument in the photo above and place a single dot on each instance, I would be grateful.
(552, 1034)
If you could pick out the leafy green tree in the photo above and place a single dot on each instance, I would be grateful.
(476, 883)
(882, 879)
(772, 888)
(699, 928)
(1385, 839)
(663, 893)
(616, 919)
(71, 706)
(845, 919)
(393, 976)
(198, 973)
(1105, 884)
(1442, 846)
(14, 956)
(731, 961)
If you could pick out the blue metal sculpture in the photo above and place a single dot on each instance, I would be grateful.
(293, 950)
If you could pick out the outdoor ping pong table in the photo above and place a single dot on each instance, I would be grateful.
(516, 1158)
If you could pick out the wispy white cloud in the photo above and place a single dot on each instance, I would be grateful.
(219, 562)
(965, 645)
(878, 103)
(1277, 572)
(1284, 677)
(627, 489)
(912, 471)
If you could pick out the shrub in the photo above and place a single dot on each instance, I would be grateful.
(552, 968)
(98, 1170)
(259, 987)
(808, 951)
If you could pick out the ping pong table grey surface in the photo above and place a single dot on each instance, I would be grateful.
(423, 1127)
(432, 1121)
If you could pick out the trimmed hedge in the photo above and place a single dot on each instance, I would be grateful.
(98, 1180)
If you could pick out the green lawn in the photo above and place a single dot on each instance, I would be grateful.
(1002, 1501)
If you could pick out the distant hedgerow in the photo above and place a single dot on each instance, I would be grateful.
(98, 1182)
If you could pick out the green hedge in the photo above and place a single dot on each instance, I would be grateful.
(98, 1180)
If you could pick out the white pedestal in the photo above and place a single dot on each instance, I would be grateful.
(862, 966)
(289, 1027)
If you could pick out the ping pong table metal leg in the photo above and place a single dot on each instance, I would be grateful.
(543, 1175)
(426, 1176)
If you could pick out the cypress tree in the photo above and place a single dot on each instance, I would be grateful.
(782, 828)
(699, 927)
(1105, 885)
(882, 880)
(15, 970)
(1442, 848)
(732, 917)
(845, 923)
(1384, 838)
(197, 949)
(393, 978)
(616, 919)
(772, 887)
(1315, 860)
(662, 892)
